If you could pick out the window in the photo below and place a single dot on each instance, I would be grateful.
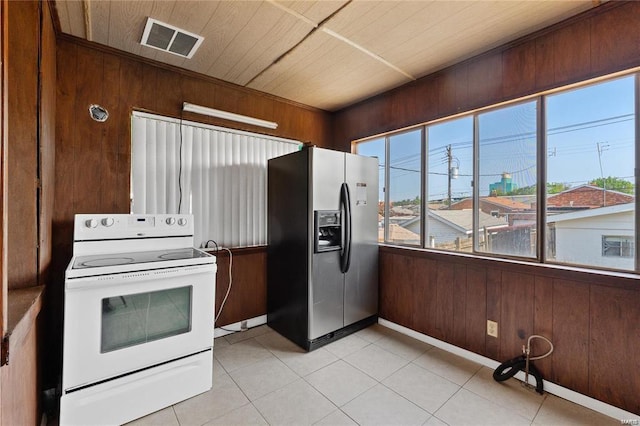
(449, 191)
(557, 169)
(403, 189)
(400, 205)
(507, 175)
(590, 173)
(219, 175)
(617, 246)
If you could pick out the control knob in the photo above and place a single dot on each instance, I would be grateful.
(182, 221)
(91, 223)
(107, 221)
(171, 220)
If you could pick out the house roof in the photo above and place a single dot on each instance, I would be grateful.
(398, 233)
(462, 220)
(506, 202)
(583, 214)
(588, 196)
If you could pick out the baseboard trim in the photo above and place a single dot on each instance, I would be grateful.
(237, 326)
(552, 388)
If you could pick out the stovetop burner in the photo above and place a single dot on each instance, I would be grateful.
(177, 255)
(107, 261)
(116, 259)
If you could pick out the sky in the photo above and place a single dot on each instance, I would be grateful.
(590, 134)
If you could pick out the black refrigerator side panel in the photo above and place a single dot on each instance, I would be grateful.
(288, 244)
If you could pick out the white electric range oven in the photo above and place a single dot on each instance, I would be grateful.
(138, 318)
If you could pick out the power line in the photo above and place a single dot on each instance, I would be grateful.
(550, 132)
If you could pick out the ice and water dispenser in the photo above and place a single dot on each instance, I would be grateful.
(328, 230)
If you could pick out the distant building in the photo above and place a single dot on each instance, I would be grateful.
(445, 226)
(515, 212)
(505, 185)
(601, 236)
(586, 197)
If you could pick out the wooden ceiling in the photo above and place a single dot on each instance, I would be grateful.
(322, 53)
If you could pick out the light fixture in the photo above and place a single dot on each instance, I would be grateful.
(186, 106)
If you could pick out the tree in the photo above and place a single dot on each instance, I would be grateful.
(408, 202)
(525, 190)
(556, 187)
(614, 184)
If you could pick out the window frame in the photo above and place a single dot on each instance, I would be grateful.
(541, 175)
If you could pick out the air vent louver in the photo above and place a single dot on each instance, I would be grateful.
(168, 38)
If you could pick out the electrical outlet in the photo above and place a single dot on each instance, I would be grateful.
(243, 325)
(492, 328)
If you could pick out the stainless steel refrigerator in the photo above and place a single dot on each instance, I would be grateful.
(322, 256)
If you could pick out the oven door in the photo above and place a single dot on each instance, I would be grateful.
(121, 323)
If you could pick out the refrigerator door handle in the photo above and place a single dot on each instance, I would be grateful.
(345, 201)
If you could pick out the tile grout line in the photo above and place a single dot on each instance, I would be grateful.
(299, 377)
(407, 399)
(274, 390)
(499, 404)
(540, 407)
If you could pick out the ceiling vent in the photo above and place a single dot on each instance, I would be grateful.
(170, 39)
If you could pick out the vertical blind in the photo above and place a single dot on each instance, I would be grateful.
(219, 175)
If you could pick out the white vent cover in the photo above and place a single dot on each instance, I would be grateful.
(170, 39)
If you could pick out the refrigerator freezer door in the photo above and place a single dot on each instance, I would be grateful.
(361, 280)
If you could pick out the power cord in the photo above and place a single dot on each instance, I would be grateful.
(218, 248)
(206, 245)
(228, 288)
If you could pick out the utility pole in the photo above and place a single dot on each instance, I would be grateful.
(602, 147)
(449, 159)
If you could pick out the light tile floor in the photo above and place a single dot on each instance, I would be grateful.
(374, 377)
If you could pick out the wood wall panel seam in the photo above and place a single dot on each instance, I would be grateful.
(3, 172)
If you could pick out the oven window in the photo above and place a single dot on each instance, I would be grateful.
(135, 319)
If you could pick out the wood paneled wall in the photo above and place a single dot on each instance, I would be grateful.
(93, 161)
(47, 144)
(248, 294)
(593, 320)
(595, 43)
(29, 91)
(19, 380)
(22, 137)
